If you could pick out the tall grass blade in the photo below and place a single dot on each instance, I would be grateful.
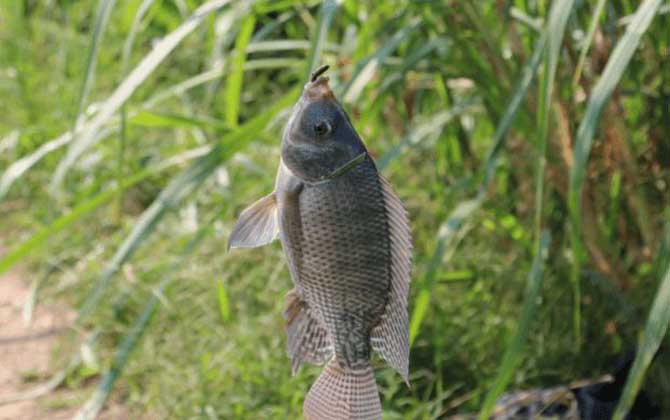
(142, 9)
(522, 17)
(287, 45)
(325, 18)
(102, 17)
(220, 53)
(181, 186)
(652, 337)
(234, 80)
(614, 69)
(151, 119)
(136, 77)
(514, 349)
(420, 308)
(511, 109)
(9, 142)
(588, 40)
(224, 305)
(21, 166)
(663, 254)
(557, 20)
(628, 18)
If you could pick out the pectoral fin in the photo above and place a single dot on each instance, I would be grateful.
(258, 224)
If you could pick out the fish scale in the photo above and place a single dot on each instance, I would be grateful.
(345, 261)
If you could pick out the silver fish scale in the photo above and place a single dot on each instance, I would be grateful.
(345, 263)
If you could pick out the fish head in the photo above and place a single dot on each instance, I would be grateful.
(319, 138)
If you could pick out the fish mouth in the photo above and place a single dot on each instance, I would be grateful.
(317, 88)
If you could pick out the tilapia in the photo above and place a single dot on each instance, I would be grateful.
(348, 245)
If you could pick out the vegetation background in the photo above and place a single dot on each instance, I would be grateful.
(529, 140)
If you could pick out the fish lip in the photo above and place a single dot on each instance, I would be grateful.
(318, 90)
(317, 87)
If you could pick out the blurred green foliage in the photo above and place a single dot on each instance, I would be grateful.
(177, 109)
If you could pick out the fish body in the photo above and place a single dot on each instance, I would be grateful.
(341, 254)
(347, 242)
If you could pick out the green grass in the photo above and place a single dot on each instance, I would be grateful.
(494, 122)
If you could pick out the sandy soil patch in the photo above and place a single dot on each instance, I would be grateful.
(26, 351)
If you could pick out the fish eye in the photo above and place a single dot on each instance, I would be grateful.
(322, 128)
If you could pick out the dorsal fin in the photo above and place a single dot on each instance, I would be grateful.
(390, 338)
(258, 224)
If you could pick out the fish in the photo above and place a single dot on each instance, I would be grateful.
(347, 240)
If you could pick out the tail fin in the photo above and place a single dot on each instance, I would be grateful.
(341, 394)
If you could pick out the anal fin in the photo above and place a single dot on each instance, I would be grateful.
(307, 340)
(390, 338)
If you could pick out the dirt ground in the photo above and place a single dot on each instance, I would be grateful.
(26, 352)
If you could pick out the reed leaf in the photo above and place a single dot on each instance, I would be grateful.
(556, 23)
(234, 80)
(586, 44)
(655, 331)
(518, 93)
(557, 20)
(16, 169)
(286, 45)
(142, 9)
(105, 8)
(224, 305)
